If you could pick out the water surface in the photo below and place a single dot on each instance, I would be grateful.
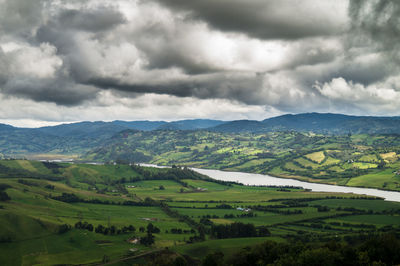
(267, 180)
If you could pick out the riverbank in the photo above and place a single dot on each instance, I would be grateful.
(259, 179)
(268, 180)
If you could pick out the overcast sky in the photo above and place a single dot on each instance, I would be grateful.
(63, 61)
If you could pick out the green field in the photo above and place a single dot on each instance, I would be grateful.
(45, 197)
(332, 159)
(384, 179)
(318, 156)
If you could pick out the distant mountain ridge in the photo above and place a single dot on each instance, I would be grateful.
(191, 124)
(82, 136)
(79, 137)
(318, 123)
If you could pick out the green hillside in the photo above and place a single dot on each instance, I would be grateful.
(83, 213)
(353, 160)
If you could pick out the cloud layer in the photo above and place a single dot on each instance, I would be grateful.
(171, 59)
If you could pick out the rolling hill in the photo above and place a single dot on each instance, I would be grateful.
(78, 138)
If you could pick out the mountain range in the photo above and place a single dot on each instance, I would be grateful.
(82, 136)
(317, 123)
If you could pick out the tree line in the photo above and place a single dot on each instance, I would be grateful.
(236, 229)
(362, 250)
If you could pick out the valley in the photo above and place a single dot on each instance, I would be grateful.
(57, 213)
(322, 148)
(349, 160)
(199, 133)
(87, 193)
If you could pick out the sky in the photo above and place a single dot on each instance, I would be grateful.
(90, 60)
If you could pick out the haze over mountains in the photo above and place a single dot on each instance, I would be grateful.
(79, 137)
(316, 122)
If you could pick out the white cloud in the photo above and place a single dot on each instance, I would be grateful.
(114, 106)
(379, 97)
(171, 59)
(26, 60)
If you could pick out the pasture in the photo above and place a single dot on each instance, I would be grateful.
(183, 205)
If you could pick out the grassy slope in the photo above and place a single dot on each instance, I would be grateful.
(31, 218)
(315, 158)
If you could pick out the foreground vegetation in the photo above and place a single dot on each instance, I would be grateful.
(54, 213)
(352, 160)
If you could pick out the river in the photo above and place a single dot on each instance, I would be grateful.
(266, 180)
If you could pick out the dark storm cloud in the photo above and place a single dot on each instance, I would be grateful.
(74, 62)
(83, 36)
(372, 44)
(169, 57)
(19, 16)
(61, 29)
(164, 48)
(262, 19)
(224, 86)
(63, 87)
(364, 73)
(3, 67)
(256, 52)
(380, 19)
(101, 19)
(56, 91)
(379, 23)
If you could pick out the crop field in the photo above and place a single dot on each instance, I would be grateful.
(39, 222)
(305, 156)
(372, 158)
(368, 205)
(378, 220)
(384, 179)
(74, 247)
(389, 157)
(204, 185)
(318, 156)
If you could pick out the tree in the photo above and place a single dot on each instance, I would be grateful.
(148, 240)
(99, 229)
(64, 228)
(263, 231)
(202, 232)
(89, 227)
(180, 261)
(78, 225)
(319, 256)
(213, 259)
(106, 259)
(233, 230)
(131, 228)
(150, 227)
(4, 196)
(381, 164)
(113, 230)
